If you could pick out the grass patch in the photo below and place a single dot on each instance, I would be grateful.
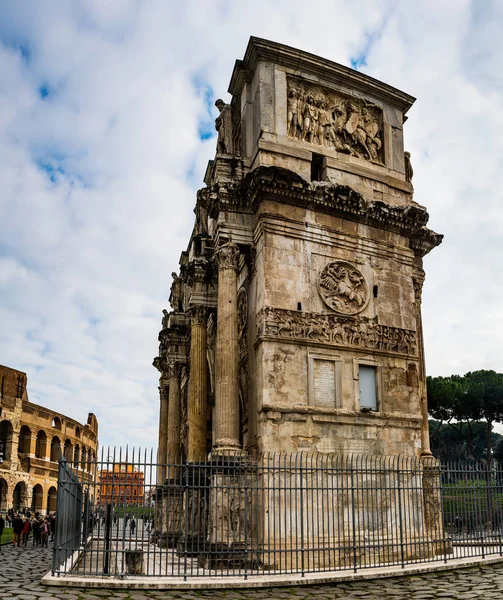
(7, 536)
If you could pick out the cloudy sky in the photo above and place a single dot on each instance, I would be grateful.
(106, 126)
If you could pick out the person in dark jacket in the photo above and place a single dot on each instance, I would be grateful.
(35, 525)
(17, 528)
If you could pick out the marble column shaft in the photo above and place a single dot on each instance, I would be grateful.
(197, 400)
(173, 445)
(227, 355)
(425, 429)
(163, 434)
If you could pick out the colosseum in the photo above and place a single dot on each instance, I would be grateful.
(31, 440)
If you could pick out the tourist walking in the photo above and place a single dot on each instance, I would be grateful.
(35, 527)
(44, 533)
(17, 528)
(132, 526)
(52, 526)
(26, 531)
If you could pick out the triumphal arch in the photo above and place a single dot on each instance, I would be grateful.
(295, 322)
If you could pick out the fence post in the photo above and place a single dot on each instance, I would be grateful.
(108, 526)
(399, 481)
(302, 549)
(353, 516)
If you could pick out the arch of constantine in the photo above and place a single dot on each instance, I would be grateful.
(31, 439)
(296, 312)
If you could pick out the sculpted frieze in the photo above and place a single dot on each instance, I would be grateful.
(343, 288)
(242, 303)
(328, 118)
(332, 329)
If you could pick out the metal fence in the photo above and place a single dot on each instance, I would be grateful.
(69, 523)
(274, 514)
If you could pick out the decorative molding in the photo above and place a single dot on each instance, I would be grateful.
(335, 330)
(242, 307)
(276, 183)
(343, 288)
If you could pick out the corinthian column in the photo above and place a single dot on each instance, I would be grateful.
(197, 402)
(173, 443)
(425, 430)
(227, 356)
(163, 433)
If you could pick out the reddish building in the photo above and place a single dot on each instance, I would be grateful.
(123, 485)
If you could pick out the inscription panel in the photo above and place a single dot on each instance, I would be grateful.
(324, 383)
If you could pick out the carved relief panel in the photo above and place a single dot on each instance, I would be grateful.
(242, 308)
(328, 118)
(334, 330)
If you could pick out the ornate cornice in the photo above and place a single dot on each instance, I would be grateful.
(285, 186)
(259, 49)
(198, 271)
(282, 185)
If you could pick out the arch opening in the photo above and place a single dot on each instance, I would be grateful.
(20, 496)
(68, 452)
(24, 441)
(6, 433)
(55, 448)
(3, 495)
(52, 499)
(37, 501)
(41, 445)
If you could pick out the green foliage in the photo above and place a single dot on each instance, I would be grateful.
(463, 441)
(470, 405)
(7, 536)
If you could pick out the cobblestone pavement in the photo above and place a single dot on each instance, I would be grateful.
(21, 569)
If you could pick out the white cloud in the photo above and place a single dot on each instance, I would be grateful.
(98, 179)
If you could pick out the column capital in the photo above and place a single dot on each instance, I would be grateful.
(227, 256)
(418, 289)
(173, 368)
(198, 315)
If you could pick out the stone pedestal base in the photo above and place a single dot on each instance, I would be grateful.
(193, 510)
(169, 514)
(229, 507)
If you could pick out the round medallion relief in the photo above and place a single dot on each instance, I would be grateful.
(343, 288)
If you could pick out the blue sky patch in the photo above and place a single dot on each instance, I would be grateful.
(359, 60)
(52, 172)
(206, 124)
(25, 51)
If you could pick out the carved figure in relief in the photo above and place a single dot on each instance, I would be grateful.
(409, 172)
(165, 316)
(176, 296)
(310, 115)
(223, 124)
(343, 288)
(293, 112)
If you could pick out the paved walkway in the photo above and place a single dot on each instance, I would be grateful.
(22, 568)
